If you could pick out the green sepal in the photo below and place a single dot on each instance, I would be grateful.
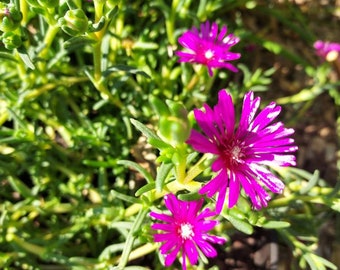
(75, 22)
(11, 40)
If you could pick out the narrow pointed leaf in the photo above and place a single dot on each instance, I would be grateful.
(148, 177)
(162, 174)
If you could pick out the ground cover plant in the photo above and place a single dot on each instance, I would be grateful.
(179, 134)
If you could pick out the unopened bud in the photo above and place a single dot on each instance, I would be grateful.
(10, 18)
(74, 22)
(175, 128)
(11, 40)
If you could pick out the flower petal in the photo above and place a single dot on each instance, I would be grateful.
(234, 190)
(201, 143)
(190, 251)
(206, 248)
(163, 217)
(170, 258)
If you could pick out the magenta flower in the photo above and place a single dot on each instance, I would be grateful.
(185, 230)
(243, 152)
(324, 48)
(209, 47)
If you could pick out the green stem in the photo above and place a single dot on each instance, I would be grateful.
(98, 9)
(180, 172)
(170, 30)
(170, 23)
(142, 251)
(23, 10)
(180, 163)
(97, 47)
(65, 134)
(173, 187)
(3, 117)
(195, 79)
(102, 88)
(67, 81)
(195, 170)
(153, 195)
(49, 37)
(137, 253)
(297, 245)
(97, 78)
(38, 91)
(21, 67)
(133, 209)
(32, 248)
(131, 238)
(97, 60)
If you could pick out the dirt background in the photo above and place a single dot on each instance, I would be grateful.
(316, 131)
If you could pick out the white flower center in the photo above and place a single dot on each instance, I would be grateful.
(209, 54)
(236, 153)
(233, 153)
(186, 231)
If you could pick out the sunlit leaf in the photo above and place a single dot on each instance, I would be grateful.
(162, 174)
(273, 224)
(148, 177)
(241, 225)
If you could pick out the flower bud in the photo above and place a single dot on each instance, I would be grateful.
(175, 128)
(10, 18)
(11, 40)
(74, 22)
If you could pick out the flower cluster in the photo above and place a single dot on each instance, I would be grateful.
(242, 153)
(209, 47)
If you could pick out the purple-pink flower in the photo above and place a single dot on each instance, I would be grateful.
(243, 152)
(324, 49)
(208, 47)
(185, 230)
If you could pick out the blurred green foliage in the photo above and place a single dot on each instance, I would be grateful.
(81, 81)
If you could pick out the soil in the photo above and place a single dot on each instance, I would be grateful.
(315, 132)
